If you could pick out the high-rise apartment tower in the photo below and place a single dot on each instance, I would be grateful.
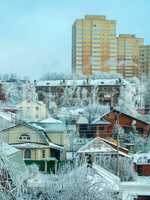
(94, 45)
(128, 55)
(145, 60)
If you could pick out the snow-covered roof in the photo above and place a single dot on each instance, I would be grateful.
(108, 176)
(7, 116)
(55, 146)
(43, 133)
(52, 127)
(34, 125)
(100, 145)
(137, 118)
(79, 82)
(37, 146)
(38, 129)
(113, 143)
(7, 149)
(101, 121)
(51, 121)
(30, 146)
(97, 145)
(68, 112)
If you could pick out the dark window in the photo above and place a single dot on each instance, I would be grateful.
(55, 154)
(37, 108)
(27, 154)
(43, 153)
(87, 130)
(139, 170)
(101, 128)
(127, 129)
(37, 116)
(140, 130)
(24, 137)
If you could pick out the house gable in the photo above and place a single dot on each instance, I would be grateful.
(13, 134)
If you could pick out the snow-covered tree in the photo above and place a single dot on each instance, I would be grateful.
(147, 92)
(93, 111)
(129, 100)
(80, 183)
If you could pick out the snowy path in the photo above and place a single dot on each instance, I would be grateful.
(127, 189)
(135, 188)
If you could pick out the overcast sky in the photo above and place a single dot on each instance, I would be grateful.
(35, 35)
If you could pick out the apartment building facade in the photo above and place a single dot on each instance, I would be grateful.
(94, 45)
(145, 60)
(128, 55)
(76, 92)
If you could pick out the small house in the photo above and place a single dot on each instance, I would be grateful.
(35, 145)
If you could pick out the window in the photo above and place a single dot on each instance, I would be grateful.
(37, 116)
(140, 130)
(101, 128)
(37, 108)
(24, 137)
(43, 153)
(27, 154)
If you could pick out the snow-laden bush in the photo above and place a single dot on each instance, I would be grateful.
(80, 183)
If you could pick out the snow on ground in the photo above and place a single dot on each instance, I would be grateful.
(135, 188)
(110, 178)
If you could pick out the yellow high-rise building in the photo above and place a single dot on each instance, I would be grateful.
(145, 60)
(128, 55)
(94, 45)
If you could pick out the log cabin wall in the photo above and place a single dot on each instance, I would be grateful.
(127, 121)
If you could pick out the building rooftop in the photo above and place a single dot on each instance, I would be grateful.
(7, 149)
(127, 35)
(37, 146)
(51, 120)
(97, 17)
(100, 145)
(101, 121)
(106, 82)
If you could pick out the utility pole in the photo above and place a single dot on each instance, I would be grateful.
(117, 129)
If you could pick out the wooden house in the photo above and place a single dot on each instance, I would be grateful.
(127, 121)
(103, 128)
